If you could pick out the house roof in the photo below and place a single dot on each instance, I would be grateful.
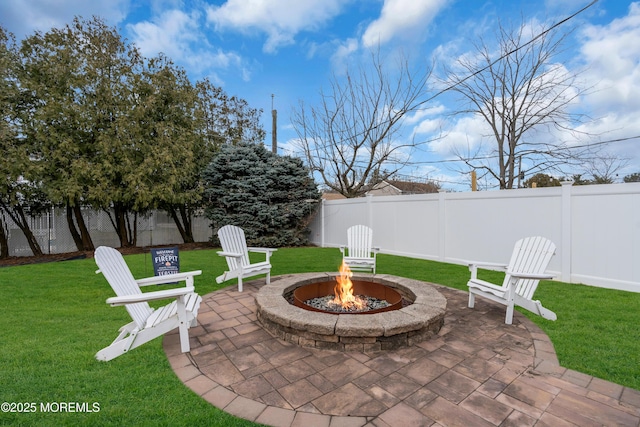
(407, 187)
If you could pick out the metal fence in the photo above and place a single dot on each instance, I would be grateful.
(53, 235)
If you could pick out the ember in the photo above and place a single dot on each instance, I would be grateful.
(366, 303)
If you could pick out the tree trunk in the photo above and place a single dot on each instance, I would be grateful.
(81, 236)
(120, 223)
(183, 222)
(21, 220)
(77, 239)
(87, 242)
(4, 239)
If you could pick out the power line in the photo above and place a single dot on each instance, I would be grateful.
(516, 49)
(557, 24)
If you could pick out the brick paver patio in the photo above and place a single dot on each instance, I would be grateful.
(476, 372)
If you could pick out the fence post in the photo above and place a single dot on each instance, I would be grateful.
(565, 255)
(322, 223)
(442, 215)
(369, 210)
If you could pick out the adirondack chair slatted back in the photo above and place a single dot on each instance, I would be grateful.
(530, 255)
(232, 240)
(115, 270)
(359, 241)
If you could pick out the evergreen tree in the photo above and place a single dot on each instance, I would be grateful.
(633, 177)
(271, 197)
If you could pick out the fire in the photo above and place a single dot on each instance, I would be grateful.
(344, 290)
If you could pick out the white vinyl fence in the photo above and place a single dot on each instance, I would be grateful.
(52, 232)
(596, 228)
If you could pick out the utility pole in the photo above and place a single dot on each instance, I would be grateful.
(274, 128)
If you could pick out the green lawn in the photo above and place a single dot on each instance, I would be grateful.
(54, 319)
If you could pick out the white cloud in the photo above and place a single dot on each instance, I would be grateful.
(178, 35)
(23, 18)
(281, 20)
(612, 56)
(464, 138)
(401, 18)
(171, 33)
(424, 114)
(342, 54)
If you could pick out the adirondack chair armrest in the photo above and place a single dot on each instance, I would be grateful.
(262, 250)
(543, 276)
(266, 251)
(343, 248)
(168, 278)
(229, 254)
(487, 265)
(150, 296)
(474, 265)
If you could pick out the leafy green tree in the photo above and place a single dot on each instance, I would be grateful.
(8, 133)
(110, 128)
(227, 119)
(16, 200)
(102, 126)
(151, 155)
(218, 119)
(78, 82)
(270, 196)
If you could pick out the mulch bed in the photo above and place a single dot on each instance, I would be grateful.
(12, 261)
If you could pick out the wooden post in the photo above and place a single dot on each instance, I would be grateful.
(474, 181)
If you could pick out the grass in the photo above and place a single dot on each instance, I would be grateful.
(54, 319)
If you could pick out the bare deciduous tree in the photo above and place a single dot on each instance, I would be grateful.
(352, 139)
(518, 95)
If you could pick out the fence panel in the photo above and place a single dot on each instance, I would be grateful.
(606, 235)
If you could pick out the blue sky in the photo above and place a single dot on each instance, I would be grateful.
(289, 48)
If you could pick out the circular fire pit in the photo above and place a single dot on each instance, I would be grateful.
(420, 318)
(376, 291)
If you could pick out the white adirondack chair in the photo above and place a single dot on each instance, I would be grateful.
(358, 253)
(236, 252)
(148, 323)
(529, 261)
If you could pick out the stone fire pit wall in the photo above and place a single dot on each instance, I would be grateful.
(352, 332)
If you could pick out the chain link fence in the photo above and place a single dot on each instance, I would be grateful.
(52, 231)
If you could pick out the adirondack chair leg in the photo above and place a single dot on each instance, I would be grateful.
(182, 327)
(508, 319)
(472, 300)
(240, 283)
(120, 345)
(268, 279)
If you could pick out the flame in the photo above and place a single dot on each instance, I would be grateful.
(344, 290)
